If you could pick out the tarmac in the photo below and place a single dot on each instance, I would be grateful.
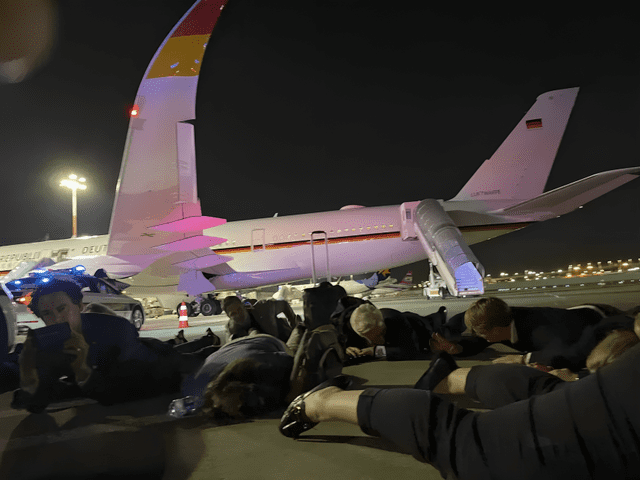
(139, 440)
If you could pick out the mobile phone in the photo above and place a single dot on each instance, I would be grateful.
(52, 337)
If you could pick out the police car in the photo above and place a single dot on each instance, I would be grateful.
(7, 308)
(95, 289)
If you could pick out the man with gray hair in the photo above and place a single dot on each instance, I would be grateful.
(373, 333)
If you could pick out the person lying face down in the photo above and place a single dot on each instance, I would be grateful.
(245, 377)
(254, 374)
(390, 334)
(262, 317)
(500, 384)
(368, 323)
(587, 430)
(610, 348)
(558, 337)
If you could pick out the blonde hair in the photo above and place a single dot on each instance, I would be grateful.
(487, 313)
(610, 348)
(366, 318)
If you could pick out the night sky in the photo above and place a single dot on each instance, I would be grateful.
(307, 106)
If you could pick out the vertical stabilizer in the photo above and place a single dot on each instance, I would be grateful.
(519, 169)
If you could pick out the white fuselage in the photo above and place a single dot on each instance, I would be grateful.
(276, 250)
(58, 250)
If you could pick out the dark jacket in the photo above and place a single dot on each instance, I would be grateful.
(266, 349)
(557, 337)
(126, 367)
(407, 333)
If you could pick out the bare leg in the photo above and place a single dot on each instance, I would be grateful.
(454, 383)
(333, 404)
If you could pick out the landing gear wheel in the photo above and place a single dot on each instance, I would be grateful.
(207, 308)
(137, 317)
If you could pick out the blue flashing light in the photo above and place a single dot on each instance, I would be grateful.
(44, 276)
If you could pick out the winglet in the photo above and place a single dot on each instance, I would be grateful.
(157, 182)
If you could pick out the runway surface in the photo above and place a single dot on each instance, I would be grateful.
(138, 439)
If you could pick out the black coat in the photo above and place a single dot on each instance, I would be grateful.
(587, 429)
(407, 333)
(557, 337)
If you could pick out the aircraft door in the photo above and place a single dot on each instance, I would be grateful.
(257, 240)
(319, 252)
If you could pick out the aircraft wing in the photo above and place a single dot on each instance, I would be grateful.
(156, 220)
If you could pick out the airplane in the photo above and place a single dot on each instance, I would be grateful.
(160, 243)
(376, 283)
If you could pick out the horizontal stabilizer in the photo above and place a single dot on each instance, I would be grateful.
(190, 224)
(569, 197)
(191, 243)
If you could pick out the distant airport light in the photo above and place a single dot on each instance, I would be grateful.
(74, 184)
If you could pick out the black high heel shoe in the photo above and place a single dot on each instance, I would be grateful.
(295, 420)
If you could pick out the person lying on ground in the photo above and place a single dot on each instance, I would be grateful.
(97, 355)
(263, 317)
(558, 337)
(500, 384)
(588, 429)
(386, 333)
(259, 373)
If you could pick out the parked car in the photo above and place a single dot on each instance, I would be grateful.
(94, 290)
(8, 309)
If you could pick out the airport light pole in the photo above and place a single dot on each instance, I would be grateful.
(74, 183)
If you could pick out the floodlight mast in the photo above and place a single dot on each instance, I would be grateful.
(74, 184)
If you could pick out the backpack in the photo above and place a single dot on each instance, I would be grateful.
(319, 357)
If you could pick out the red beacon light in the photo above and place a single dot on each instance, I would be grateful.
(135, 111)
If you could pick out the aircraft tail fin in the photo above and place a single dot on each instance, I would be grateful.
(519, 169)
(407, 279)
(382, 275)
